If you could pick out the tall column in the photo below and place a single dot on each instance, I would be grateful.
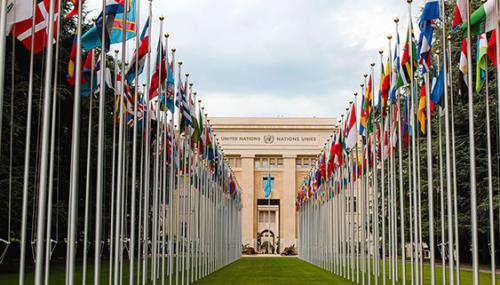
(287, 203)
(248, 200)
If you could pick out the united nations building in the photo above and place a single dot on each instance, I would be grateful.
(280, 148)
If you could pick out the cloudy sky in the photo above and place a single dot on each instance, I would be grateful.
(281, 57)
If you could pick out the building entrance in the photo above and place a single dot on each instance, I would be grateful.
(268, 226)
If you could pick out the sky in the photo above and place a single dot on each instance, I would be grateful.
(293, 58)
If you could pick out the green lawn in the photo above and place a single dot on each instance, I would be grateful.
(271, 270)
(247, 270)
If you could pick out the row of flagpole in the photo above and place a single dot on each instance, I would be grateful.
(174, 204)
(368, 165)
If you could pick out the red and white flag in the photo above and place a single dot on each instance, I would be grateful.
(460, 13)
(17, 11)
(352, 130)
(23, 29)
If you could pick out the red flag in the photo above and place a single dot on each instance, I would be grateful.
(23, 29)
(492, 44)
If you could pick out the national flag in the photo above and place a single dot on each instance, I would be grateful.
(406, 122)
(160, 70)
(113, 13)
(492, 44)
(395, 71)
(385, 148)
(463, 68)
(395, 125)
(139, 56)
(73, 11)
(117, 31)
(201, 145)
(481, 65)
(385, 86)
(438, 90)
(18, 11)
(460, 14)
(195, 135)
(70, 76)
(338, 149)
(421, 109)
(484, 19)
(429, 15)
(352, 130)
(171, 87)
(22, 30)
(409, 53)
(366, 108)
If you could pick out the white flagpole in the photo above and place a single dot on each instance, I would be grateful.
(100, 158)
(171, 190)
(87, 181)
(3, 36)
(490, 182)
(472, 153)
(134, 151)
(381, 127)
(454, 251)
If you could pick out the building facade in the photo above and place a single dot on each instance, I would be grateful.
(282, 149)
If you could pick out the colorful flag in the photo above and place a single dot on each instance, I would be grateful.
(437, 90)
(482, 50)
(409, 53)
(160, 69)
(460, 14)
(22, 30)
(18, 11)
(366, 108)
(113, 13)
(170, 87)
(484, 19)
(352, 130)
(406, 122)
(139, 55)
(421, 109)
(463, 68)
(429, 15)
(492, 44)
(395, 71)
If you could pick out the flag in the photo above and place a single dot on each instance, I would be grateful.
(18, 11)
(437, 90)
(139, 54)
(160, 69)
(70, 76)
(483, 19)
(421, 109)
(463, 69)
(201, 145)
(22, 30)
(492, 44)
(406, 122)
(385, 84)
(195, 135)
(395, 71)
(113, 13)
(460, 14)
(394, 134)
(430, 13)
(352, 130)
(171, 87)
(405, 72)
(366, 108)
(117, 31)
(73, 11)
(482, 50)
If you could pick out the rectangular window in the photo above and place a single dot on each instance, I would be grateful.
(280, 162)
(257, 163)
(265, 163)
(272, 162)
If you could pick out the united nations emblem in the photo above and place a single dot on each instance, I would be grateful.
(268, 139)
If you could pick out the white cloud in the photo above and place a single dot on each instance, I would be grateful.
(280, 57)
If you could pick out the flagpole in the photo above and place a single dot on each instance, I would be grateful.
(134, 149)
(441, 186)
(87, 181)
(454, 252)
(100, 158)
(27, 152)
(490, 183)
(381, 128)
(171, 190)
(472, 153)
(3, 36)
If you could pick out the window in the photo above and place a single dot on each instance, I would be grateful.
(268, 162)
(304, 162)
(234, 161)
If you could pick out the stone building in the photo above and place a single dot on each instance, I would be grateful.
(283, 148)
